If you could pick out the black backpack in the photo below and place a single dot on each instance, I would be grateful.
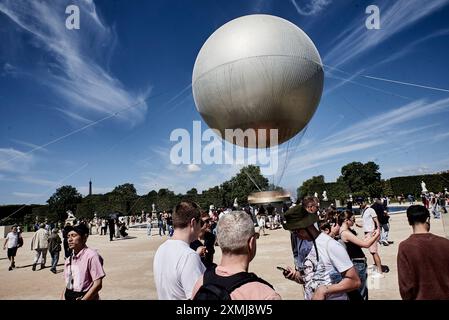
(220, 288)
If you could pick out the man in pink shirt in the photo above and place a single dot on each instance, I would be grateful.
(237, 239)
(83, 270)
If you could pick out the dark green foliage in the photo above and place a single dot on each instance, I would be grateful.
(412, 184)
(240, 186)
(312, 185)
(65, 198)
(356, 178)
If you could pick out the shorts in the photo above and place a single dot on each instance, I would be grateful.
(373, 248)
(12, 252)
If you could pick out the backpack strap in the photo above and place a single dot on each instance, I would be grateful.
(233, 282)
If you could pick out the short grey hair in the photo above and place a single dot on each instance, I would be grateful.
(233, 231)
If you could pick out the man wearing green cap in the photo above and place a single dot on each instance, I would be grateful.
(328, 272)
(301, 248)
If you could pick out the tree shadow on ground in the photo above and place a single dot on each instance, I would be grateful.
(25, 266)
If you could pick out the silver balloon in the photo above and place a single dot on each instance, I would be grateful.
(260, 72)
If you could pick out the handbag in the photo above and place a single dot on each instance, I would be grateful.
(73, 295)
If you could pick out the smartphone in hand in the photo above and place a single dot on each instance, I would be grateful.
(282, 269)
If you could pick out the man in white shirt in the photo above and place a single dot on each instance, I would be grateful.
(12, 239)
(371, 223)
(176, 267)
(327, 272)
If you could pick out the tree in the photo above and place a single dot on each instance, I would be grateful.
(241, 185)
(191, 195)
(65, 198)
(337, 190)
(212, 196)
(166, 199)
(310, 186)
(123, 198)
(387, 190)
(125, 190)
(361, 179)
(146, 201)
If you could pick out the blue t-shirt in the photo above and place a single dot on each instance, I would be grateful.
(303, 249)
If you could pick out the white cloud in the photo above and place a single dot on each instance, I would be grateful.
(74, 70)
(441, 136)
(311, 7)
(261, 5)
(9, 69)
(12, 160)
(406, 170)
(368, 134)
(395, 17)
(27, 195)
(28, 144)
(343, 81)
(193, 168)
(73, 116)
(324, 153)
(407, 49)
(38, 181)
(375, 125)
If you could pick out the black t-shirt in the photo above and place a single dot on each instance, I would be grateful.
(169, 221)
(354, 251)
(381, 216)
(209, 243)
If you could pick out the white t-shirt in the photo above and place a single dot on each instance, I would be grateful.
(333, 260)
(261, 221)
(13, 239)
(368, 222)
(176, 268)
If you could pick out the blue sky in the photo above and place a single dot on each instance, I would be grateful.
(100, 102)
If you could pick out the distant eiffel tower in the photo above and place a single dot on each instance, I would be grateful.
(90, 187)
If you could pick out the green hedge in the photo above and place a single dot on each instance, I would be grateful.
(412, 184)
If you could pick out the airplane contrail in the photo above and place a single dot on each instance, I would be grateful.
(406, 83)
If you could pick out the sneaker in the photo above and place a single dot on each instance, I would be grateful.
(385, 243)
(53, 270)
(390, 242)
(34, 267)
(10, 268)
(377, 275)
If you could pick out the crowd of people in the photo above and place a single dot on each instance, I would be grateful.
(329, 262)
(328, 255)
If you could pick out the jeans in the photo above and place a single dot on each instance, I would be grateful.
(385, 228)
(436, 211)
(360, 266)
(161, 228)
(170, 231)
(54, 259)
(41, 255)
